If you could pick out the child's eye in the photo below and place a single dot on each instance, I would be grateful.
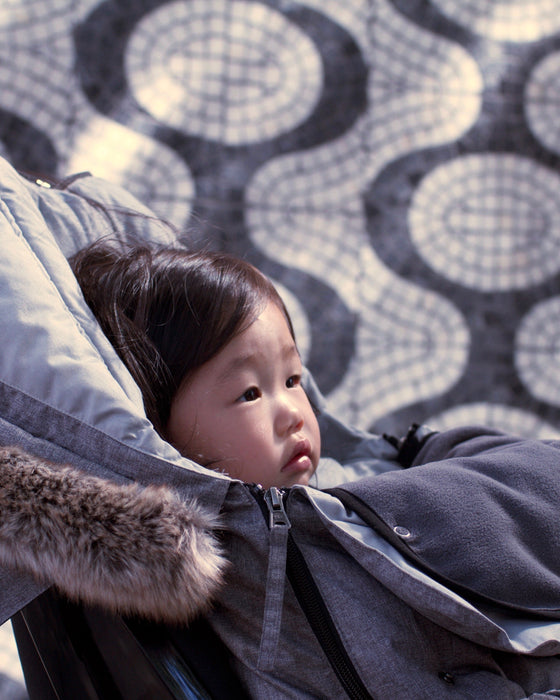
(251, 394)
(293, 381)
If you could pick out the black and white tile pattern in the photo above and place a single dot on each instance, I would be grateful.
(394, 165)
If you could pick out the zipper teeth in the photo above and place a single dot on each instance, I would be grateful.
(322, 625)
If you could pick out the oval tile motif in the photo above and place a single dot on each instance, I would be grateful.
(150, 170)
(490, 222)
(537, 350)
(542, 94)
(511, 420)
(238, 72)
(505, 20)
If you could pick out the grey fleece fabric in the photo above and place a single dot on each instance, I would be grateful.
(480, 510)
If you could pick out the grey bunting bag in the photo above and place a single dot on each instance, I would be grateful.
(425, 567)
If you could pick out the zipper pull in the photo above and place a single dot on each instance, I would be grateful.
(274, 499)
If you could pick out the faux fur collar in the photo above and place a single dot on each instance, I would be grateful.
(130, 549)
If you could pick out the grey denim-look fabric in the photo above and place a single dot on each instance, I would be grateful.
(65, 397)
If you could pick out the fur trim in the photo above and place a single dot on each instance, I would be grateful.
(130, 549)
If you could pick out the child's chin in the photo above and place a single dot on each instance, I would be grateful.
(299, 480)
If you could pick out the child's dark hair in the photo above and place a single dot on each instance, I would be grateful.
(167, 311)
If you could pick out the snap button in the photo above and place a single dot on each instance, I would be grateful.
(446, 677)
(402, 532)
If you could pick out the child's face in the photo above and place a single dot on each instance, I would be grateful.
(245, 413)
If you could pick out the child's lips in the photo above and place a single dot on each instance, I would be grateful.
(300, 458)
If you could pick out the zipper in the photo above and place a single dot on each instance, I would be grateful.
(274, 499)
(279, 526)
(309, 596)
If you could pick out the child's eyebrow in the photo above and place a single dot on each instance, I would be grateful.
(237, 364)
(250, 359)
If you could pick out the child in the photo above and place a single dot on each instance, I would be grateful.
(210, 343)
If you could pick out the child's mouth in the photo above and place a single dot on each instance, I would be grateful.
(300, 460)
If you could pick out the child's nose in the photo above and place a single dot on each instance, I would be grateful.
(289, 418)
